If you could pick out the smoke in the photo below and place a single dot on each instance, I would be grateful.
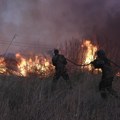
(46, 23)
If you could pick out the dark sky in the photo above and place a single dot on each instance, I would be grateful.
(48, 22)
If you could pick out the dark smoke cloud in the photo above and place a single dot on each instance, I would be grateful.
(47, 22)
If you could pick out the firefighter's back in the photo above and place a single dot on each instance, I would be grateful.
(59, 61)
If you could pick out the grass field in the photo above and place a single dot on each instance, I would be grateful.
(32, 99)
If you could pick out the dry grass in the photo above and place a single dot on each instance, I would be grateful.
(31, 99)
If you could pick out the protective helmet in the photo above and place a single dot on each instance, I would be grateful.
(56, 51)
(100, 53)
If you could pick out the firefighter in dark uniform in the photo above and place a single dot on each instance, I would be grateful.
(103, 63)
(60, 62)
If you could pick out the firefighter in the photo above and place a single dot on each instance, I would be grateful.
(60, 62)
(103, 63)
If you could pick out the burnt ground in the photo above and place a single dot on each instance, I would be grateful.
(32, 99)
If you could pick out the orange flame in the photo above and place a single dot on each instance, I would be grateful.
(37, 65)
(41, 66)
(89, 52)
(2, 65)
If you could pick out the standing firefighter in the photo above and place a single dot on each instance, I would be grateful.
(103, 63)
(60, 62)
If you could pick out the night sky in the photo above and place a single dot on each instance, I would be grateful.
(48, 22)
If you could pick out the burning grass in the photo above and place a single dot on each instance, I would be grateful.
(28, 98)
(81, 52)
(37, 65)
(89, 53)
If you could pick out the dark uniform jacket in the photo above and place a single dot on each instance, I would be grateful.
(105, 66)
(59, 61)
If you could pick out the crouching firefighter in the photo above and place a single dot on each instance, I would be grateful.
(60, 62)
(103, 63)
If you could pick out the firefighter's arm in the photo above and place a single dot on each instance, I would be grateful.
(97, 63)
(65, 61)
(53, 62)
